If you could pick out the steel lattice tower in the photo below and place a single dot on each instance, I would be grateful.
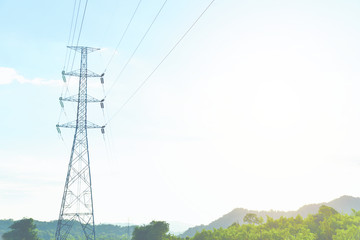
(77, 201)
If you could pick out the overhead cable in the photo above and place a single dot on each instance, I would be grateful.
(65, 86)
(73, 36)
(164, 58)
(82, 22)
(71, 26)
(137, 47)
(80, 30)
(122, 36)
(72, 41)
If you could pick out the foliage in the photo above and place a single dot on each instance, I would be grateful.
(156, 230)
(252, 218)
(22, 229)
(327, 224)
(46, 231)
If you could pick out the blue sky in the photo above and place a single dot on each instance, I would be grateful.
(258, 107)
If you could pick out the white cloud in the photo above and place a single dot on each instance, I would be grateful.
(9, 75)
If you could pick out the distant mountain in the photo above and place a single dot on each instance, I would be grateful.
(343, 205)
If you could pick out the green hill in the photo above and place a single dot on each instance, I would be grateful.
(343, 205)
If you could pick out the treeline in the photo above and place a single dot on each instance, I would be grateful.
(46, 230)
(327, 224)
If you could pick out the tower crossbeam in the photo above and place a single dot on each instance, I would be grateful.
(78, 73)
(73, 124)
(75, 98)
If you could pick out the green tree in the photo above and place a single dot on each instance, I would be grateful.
(24, 229)
(325, 212)
(252, 218)
(352, 233)
(156, 230)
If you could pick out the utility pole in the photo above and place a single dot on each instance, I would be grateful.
(77, 200)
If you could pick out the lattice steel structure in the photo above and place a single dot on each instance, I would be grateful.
(77, 201)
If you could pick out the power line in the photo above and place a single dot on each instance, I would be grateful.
(65, 86)
(81, 25)
(137, 47)
(82, 22)
(164, 58)
(122, 36)
(72, 41)
(73, 36)
(71, 25)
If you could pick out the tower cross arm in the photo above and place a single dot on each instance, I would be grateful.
(72, 124)
(75, 98)
(80, 48)
(93, 125)
(77, 73)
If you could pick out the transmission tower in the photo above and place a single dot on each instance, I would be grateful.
(77, 201)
